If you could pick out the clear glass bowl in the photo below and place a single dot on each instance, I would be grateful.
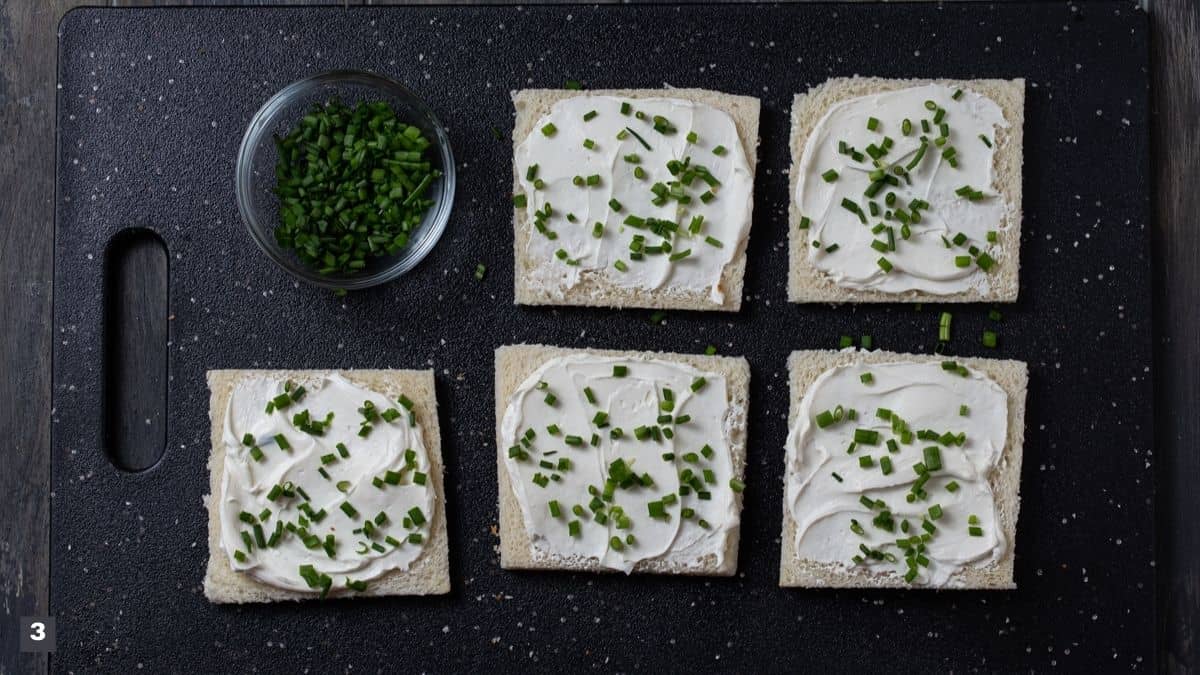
(255, 178)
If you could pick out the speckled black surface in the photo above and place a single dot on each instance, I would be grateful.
(152, 105)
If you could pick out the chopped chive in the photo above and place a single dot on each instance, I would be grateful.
(830, 176)
(866, 436)
(885, 465)
(933, 458)
(348, 509)
(549, 130)
(989, 339)
(639, 138)
(590, 115)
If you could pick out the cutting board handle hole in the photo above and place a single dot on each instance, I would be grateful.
(135, 325)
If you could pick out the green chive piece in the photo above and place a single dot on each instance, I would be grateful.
(933, 458)
(885, 465)
(549, 130)
(866, 436)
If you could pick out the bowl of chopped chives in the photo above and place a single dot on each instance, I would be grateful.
(345, 179)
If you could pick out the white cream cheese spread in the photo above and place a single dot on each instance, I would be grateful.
(621, 460)
(896, 191)
(326, 484)
(888, 467)
(650, 193)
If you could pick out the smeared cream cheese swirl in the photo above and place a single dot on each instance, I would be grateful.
(926, 397)
(632, 401)
(923, 262)
(248, 482)
(561, 157)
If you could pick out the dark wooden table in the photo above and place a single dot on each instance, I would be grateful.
(28, 50)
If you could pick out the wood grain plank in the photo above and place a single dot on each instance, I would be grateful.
(1175, 90)
(27, 77)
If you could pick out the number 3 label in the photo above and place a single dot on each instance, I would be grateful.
(37, 634)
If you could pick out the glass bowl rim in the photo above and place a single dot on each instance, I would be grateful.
(264, 119)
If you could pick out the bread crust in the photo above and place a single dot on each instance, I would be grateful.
(594, 290)
(430, 572)
(804, 367)
(807, 284)
(514, 363)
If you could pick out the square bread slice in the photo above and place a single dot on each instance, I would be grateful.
(531, 105)
(804, 367)
(428, 575)
(807, 284)
(514, 363)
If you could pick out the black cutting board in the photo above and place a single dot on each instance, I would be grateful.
(151, 109)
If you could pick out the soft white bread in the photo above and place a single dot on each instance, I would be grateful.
(807, 284)
(593, 289)
(429, 573)
(515, 363)
(804, 367)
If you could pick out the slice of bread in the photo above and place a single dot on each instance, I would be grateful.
(808, 284)
(515, 363)
(430, 572)
(594, 290)
(804, 367)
